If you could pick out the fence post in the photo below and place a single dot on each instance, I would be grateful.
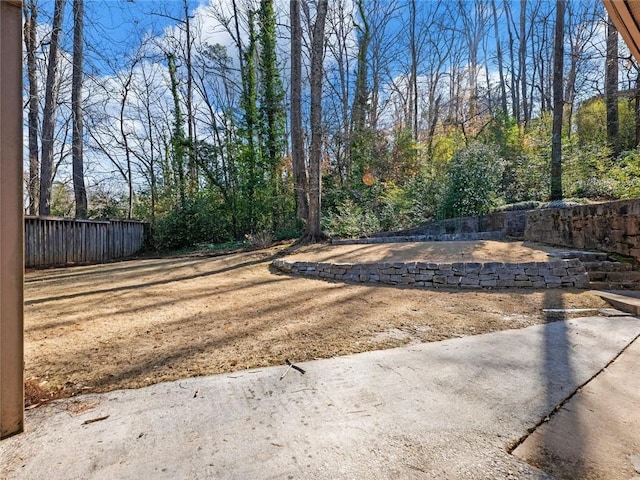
(12, 231)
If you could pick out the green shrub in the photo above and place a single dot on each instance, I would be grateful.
(626, 173)
(585, 171)
(474, 177)
(350, 221)
(198, 221)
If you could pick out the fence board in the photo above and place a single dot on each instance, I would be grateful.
(51, 241)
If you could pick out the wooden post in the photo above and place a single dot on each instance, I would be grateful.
(12, 231)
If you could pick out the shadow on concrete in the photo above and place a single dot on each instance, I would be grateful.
(541, 449)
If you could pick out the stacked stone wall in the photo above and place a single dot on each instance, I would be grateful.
(509, 223)
(609, 227)
(553, 274)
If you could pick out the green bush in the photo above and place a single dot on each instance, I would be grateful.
(473, 180)
(197, 222)
(591, 122)
(626, 174)
(350, 221)
(585, 171)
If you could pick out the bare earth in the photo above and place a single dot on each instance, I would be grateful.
(135, 323)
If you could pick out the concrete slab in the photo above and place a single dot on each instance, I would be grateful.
(594, 435)
(445, 410)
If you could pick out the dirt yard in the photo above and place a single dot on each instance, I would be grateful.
(135, 323)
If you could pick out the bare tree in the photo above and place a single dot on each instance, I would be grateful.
(79, 189)
(191, 123)
(503, 88)
(515, 75)
(581, 29)
(558, 103)
(413, 88)
(313, 231)
(611, 87)
(297, 140)
(338, 82)
(49, 112)
(542, 59)
(522, 59)
(475, 24)
(385, 41)
(30, 40)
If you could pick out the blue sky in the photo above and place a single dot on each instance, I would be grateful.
(114, 27)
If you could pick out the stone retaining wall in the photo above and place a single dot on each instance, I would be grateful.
(609, 227)
(509, 223)
(553, 274)
(445, 237)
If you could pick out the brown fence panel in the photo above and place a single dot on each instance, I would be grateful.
(51, 241)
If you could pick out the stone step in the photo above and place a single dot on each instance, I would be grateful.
(627, 301)
(597, 276)
(602, 285)
(613, 312)
(614, 276)
(580, 255)
(623, 276)
(607, 266)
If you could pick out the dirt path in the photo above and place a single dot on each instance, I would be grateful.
(140, 322)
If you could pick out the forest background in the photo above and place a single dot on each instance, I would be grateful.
(255, 120)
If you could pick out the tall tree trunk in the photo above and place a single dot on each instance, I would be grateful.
(177, 136)
(611, 88)
(49, 111)
(414, 71)
(298, 162)
(30, 40)
(515, 96)
(192, 166)
(570, 87)
(250, 107)
(313, 231)
(360, 97)
(503, 88)
(522, 57)
(357, 138)
(79, 189)
(474, 24)
(125, 140)
(272, 113)
(558, 103)
(152, 166)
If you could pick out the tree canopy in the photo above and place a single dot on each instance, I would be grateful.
(265, 119)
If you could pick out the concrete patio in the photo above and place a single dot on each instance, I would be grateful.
(450, 409)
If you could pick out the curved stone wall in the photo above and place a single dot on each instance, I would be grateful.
(553, 274)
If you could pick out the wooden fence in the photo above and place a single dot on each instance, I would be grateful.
(51, 241)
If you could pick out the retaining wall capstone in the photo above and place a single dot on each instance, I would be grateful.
(445, 237)
(553, 274)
